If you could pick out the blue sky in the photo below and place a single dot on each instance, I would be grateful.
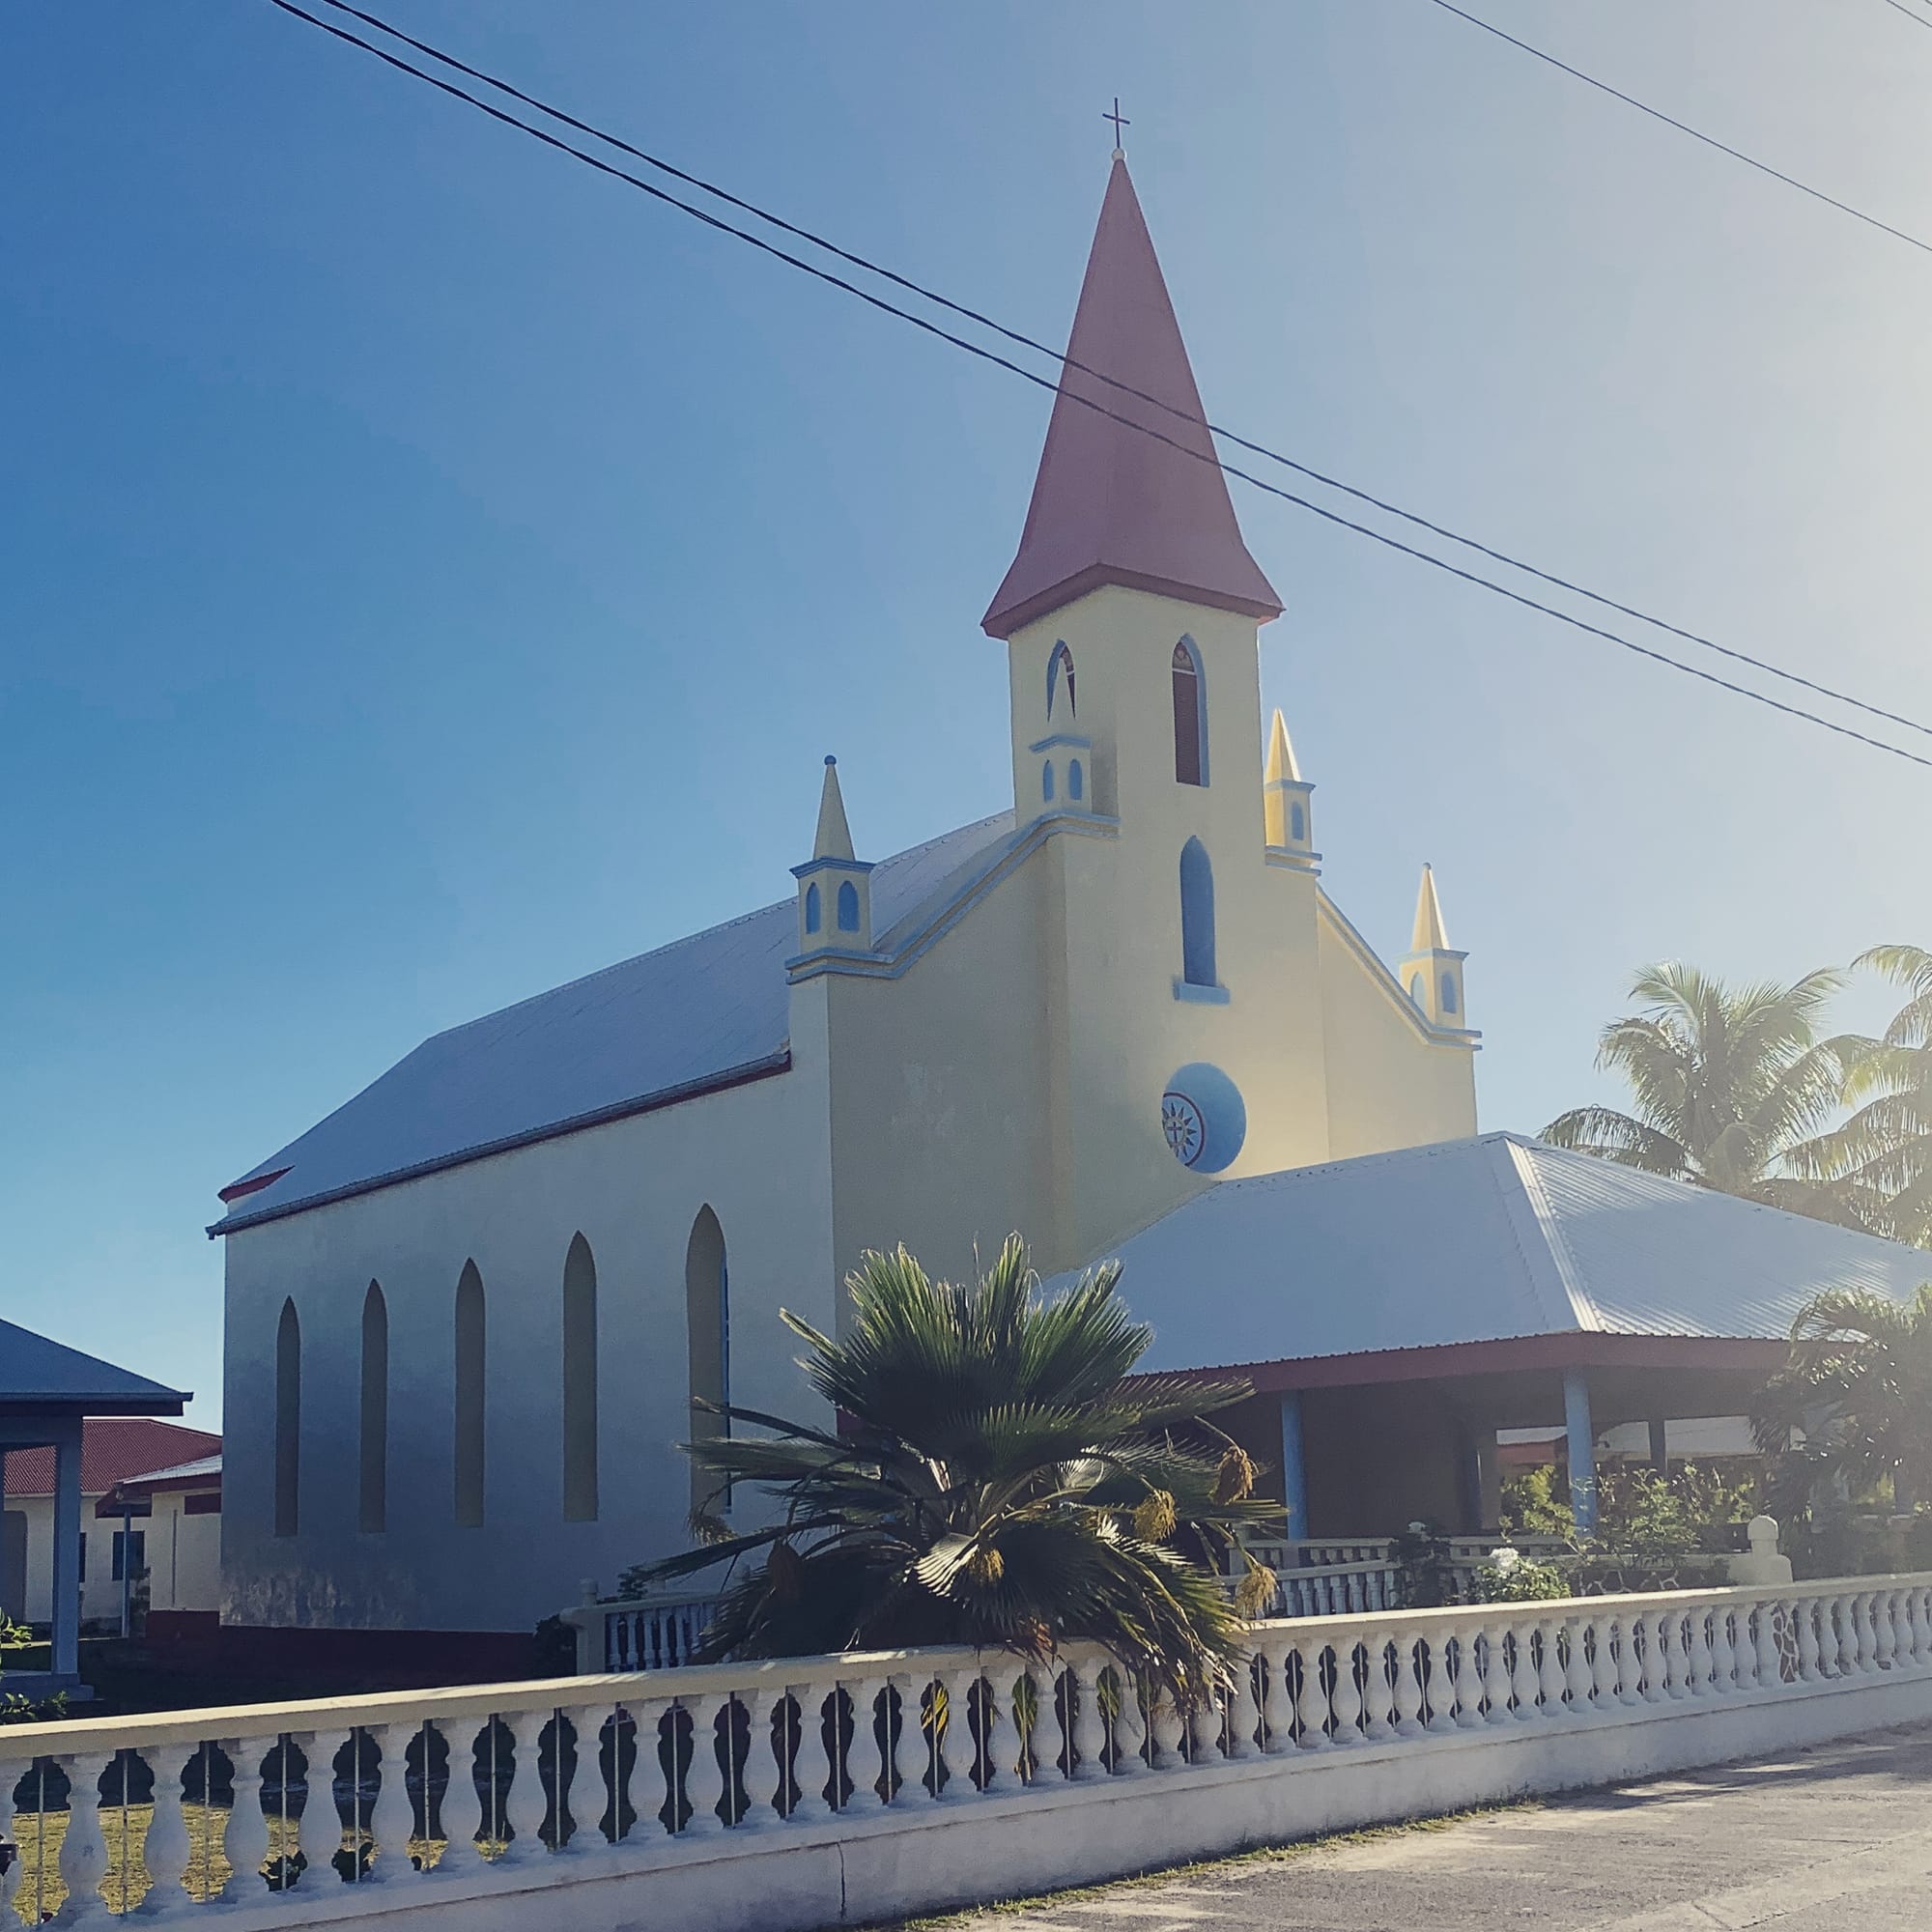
(428, 572)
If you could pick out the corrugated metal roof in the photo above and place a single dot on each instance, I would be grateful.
(112, 1449)
(685, 1018)
(1477, 1240)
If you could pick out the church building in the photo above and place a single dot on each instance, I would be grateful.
(468, 1313)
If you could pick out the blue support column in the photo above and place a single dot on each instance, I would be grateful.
(66, 1607)
(1293, 1476)
(1582, 1443)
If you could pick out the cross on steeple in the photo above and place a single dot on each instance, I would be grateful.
(1119, 119)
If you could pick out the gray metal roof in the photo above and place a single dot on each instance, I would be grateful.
(38, 1373)
(690, 1016)
(1477, 1240)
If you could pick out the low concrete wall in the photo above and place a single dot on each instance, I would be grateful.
(1342, 1721)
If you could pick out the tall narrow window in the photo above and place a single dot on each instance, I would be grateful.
(471, 1412)
(1448, 992)
(1059, 678)
(288, 1421)
(848, 907)
(372, 1500)
(811, 907)
(1190, 717)
(1197, 915)
(707, 1306)
(580, 1383)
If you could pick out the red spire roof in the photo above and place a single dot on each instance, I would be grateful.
(1111, 505)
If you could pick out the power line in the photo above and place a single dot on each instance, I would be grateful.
(1685, 128)
(1025, 341)
(1900, 6)
(993, 357)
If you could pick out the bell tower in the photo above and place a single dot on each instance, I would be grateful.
(1431, 971)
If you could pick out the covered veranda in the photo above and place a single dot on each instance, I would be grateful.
(1395, 1311)
(45, 1390)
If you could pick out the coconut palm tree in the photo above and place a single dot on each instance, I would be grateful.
(1733, 1091)
(997, 1476)
(1884, 1152)
(1859, 1389)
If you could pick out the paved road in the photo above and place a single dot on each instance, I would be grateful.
(1833, 1839)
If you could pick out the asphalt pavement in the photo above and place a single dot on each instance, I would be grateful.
(1837, 1838)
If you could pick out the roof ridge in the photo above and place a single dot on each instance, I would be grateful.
(1582, 1304)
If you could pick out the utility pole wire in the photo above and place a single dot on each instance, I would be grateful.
(993, 357)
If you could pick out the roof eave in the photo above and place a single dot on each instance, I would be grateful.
(1004, 618)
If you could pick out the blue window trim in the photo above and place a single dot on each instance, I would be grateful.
(1197, 916)
(1076, 780)
(1201, 996)
(1046, 782)
(811, 907)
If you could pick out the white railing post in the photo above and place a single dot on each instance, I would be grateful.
(581, 1784)
(1090, 1729)
(1691, 1643)
(873, 1743)
(756, 1770)
(1805, 1611)
(1203, 1728)
(1244, 1715)
(1377, 1693)
(1311, 1702)
(813, 1767)
(166, 1849)
(1845, 1614)
(1901, 1631)
(705, 1787)
(1579, 1679)
(1408, 1688)
(1002, 1733)
(526, 1805)
(392, 1817)
(246, 1843)
(1469, 1678)
(1496, 1670)
(1724, 1653)
(1170, 1731)
(83, 1851)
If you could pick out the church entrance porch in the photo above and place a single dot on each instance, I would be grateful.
(1361, 1446)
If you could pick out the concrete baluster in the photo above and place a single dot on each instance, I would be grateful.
(1089, 1727)
(166, 1849)
(1469, 1683)
(1377, 1693)
(1579, 1676)
(13, 1831)
(1244, 1714)
(83, 1851)
(246, 1843)
(919, 1747)
(1809, 1662)
(391, 1819)
(1311, 1700)
(872, 1753)
(1550, 1671)
(1722, 1676)
(813, 1765)
(1901, 1629)
(756, 1762)
(527, 1805)
(649, 1787)
(1844, 1615)
(580, 1780)
(1881, 1629)
(958, 1748)
(1864, 1639)
(1770, 1661)
(1170, 1731)
(1606, 1666)
(1408, 1688)
(1438, 1681)
(704, 1785)
(1922, 1627)
(1003, 1732)
(1521, 1670)
(1348, 1693)
(1203, 1729)
(1495, 1659)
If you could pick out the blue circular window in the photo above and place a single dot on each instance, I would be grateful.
(1203, 1118)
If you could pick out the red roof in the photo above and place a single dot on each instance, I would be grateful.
(1111, 503)
(112, 1448)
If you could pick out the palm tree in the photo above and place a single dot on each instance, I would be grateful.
(1859, 1389)
(997, 1477)
(1733, 1091)
(1884, 1152)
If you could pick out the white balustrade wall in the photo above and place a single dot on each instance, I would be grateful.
(815, 1791)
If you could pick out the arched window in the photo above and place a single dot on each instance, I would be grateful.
(1076, 780)
(848, 906)
(1190, 715)
(372, 1495)
(811, 907)
(1448, 992)
(1046, 782)
(288, 1421)
(1059, 677)
(707, 1310)
(471, 1412)
(580, 1383)
(1197, 915)
(1298, 823)
(1415, 991)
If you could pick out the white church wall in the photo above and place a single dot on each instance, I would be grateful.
(756, 1154)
